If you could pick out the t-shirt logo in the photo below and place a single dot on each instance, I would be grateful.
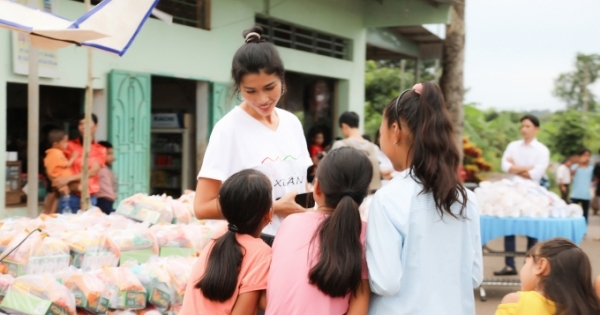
(282, 171)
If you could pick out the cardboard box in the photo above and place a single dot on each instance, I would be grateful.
(167, 121)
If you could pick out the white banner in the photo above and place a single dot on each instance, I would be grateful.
(47, 59)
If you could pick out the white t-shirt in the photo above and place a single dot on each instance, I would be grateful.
(563, 174)
(240, 142)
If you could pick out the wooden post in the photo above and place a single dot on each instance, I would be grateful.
(417, 70)
(33, 133)
(87, 133)
(453, 61)
(402, 69)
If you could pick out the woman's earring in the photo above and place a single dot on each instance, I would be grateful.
(239, 97)
(283, 90)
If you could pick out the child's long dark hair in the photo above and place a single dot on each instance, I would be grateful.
(569, 283)
(344, 176)
(245, 198)
(435, 156)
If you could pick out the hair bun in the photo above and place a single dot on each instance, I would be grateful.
(253, 35)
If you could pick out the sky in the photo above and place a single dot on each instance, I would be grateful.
(515, 49)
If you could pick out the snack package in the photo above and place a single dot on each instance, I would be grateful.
(5, 282)
(124, 289)
(38, 254)
(175, 240)
(93, 217)
(92, 250)
(136, 242)
(157, 282)
(181, 212)
(143, 208)
(180, 270)
(201, 231)
(38, 294)
(90, 292)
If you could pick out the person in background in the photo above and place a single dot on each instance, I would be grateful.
(315, 149)
(318, 265)
(527, 158)
(563, 177)
(596, 199)
(423, 237)
(385, 165)
(97, 160)
(349, 123)
(230, 276)
(108, 192)
(583, 176)
(57, 166)
(556, 279)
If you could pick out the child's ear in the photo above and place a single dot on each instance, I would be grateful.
(317, 188)
(269, 216)
(543, 267)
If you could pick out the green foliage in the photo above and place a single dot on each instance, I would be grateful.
(567, 133)
(573, 87)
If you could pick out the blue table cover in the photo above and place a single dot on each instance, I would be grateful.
(540, 228)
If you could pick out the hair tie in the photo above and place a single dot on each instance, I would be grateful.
(347, 193)
(233, 228)
(418, 88)
(249, 36)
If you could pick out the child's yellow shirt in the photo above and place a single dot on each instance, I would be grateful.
(529, 303)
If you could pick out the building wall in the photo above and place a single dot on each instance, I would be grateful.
(191, 53)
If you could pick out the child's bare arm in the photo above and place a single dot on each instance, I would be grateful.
(597, 286)
(246, 303)
(359, 303)
(72, 159)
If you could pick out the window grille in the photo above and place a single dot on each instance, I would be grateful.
(288, 35)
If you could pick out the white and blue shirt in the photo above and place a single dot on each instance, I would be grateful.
(420, 263)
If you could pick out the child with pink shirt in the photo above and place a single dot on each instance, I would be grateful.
(318, 264)
(231, 274)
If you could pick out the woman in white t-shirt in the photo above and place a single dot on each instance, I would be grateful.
(256, 135)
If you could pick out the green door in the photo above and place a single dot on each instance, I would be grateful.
(129, 130)
(222, 100)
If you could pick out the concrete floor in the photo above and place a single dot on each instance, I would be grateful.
(495, 294)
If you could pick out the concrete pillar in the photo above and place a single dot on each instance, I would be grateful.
(3, 106)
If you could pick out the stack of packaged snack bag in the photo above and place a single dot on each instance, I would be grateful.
(91, 249)
(145, 208)
(134, 243)
(38, 294)
(125, 291)
(32, 253)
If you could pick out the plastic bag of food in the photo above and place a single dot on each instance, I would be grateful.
(35, 254)
(157, 282)
(38, 294)
(180, 270)
(175, 240)
(145, 208)
(136, 242)
(181, 212)
(201, 231)
(124, 289)
(92, 250)
(5, 282)
(89, 291)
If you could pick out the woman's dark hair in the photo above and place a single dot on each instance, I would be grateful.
(245, 198)
(583, 151)
(435, 157)
(254, 56)
(344, 176)
(569, 283)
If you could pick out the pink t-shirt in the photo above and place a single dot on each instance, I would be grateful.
(289, 291)
(252, 277)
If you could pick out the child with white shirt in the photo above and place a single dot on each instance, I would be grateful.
(563, 177)
(423, 237)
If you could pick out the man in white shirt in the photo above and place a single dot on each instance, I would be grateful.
(526, 158)
(563, 177)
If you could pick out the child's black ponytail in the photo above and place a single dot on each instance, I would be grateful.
(344, 176)
(245, 199)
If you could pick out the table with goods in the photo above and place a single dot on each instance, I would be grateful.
(136, 261)
(523, 207)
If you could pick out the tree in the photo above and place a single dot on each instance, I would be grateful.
(570, 133)
(573, 87)
(453, 60)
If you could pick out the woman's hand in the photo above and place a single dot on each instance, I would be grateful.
(287, 205)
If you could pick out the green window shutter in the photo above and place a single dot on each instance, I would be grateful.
(129, 130)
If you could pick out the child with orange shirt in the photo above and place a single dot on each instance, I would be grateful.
(57, 165)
